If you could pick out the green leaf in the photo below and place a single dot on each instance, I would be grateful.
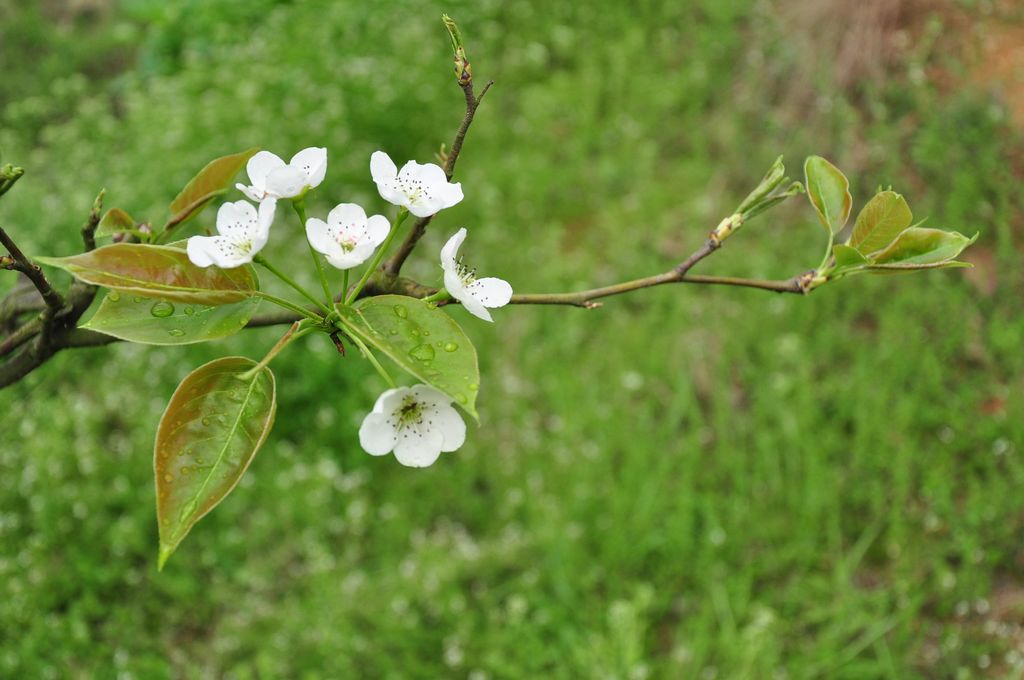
(421, 339)
(158, 271)
(847, 257)
(115, 220)
(214, 424)
(829, 193)
(880, 221)
(212, 181)
(920, 248)
(163, 322)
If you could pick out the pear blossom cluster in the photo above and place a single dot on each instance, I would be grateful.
(415, 423)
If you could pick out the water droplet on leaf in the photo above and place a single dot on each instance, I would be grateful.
(114, 296)
(401, 312)
(450, 347)
(176, 332)
(422, 352)
(189, 311)
(161, 309)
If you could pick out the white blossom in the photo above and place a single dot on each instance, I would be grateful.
(348, 238)
(476, 295)
(423, 189)
(417, 423)
(271, 177)
(242, 232)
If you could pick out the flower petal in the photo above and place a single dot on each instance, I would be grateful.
(452, 428)
(382, 168)
(319, 236)
(252, 193)
(474, 307)
(418, 446)
(313, 163)
(347, 215)
(265, 217)
(449, 194)
(491, 292)
(222, 251)
(286, 182)
(261, 165)
(377, 229)
(376, 434)
(451, 249)
(237, 219)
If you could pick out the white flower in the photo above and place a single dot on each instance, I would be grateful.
(272, 177)
(348, 238)
(417, 423)
(476, 295)
(243, 233)
(423, 189)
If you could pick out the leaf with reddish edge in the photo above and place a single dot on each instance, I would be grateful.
(209, 183)
(829, 193)
(880, 221)
(115, 220)
(158, 271)
(921, 248)
(215, 423)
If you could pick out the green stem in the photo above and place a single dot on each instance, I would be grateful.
(300, 210)
(294, 333)
(344, 284)
(440, 296)
(288, 305)
(402, 214)
(828, 253)
(373, 360)
(259, 259)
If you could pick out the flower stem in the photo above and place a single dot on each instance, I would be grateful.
(259, 259)
(344, 284)
(288, 305)
(399, 218)
(373, 360)
(439, 296)
(300, 210)
(294, 333)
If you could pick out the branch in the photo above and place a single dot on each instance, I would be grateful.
(394, 265)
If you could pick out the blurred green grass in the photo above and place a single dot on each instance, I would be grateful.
(688, 482)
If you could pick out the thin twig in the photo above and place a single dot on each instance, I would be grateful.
(419, 227)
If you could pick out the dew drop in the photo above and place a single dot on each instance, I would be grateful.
(450, 347)
(394, 331)
(401, 312)
(114, 296)
(206, 422)
(168, 477)
(461, 398)
(161, 309)
(422, 352)
(474, 386)
(138, 298)
(415, 332)
(189, 311)
(176, 332)
(425, 332)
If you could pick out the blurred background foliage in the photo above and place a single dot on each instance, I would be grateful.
(687, 483)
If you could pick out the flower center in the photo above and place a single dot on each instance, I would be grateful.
(465, 274)
(409, 413)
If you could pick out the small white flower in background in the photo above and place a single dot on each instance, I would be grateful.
(348, 238)
(417, 423)
(271, 177)
(476, 295)
(423, 189)
(243, 231)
